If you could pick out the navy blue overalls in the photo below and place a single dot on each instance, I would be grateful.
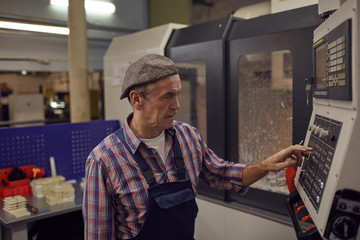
(171, 207)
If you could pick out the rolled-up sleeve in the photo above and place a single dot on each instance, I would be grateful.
(97, 207)
(215, 171)
(222, 174)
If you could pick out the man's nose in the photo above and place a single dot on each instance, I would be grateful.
(176, 104)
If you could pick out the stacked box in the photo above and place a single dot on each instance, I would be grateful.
(54, 189)
(41, 187)
(16, 206)
(61, 194)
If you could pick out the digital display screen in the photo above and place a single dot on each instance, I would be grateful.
(320, 64)
(332, 64)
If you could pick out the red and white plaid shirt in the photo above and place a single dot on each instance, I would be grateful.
(115, 194)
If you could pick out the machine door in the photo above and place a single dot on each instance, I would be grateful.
(268, 106)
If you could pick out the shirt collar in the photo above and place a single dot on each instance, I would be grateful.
(132, 140)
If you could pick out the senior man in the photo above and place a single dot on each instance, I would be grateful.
(141, 180)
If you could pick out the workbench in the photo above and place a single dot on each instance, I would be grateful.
(69, 144)
(17, 228)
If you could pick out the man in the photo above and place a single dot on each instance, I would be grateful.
(141, 180)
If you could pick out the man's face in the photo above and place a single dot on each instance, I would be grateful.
(160, 107)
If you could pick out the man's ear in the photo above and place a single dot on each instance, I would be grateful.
(136, 99)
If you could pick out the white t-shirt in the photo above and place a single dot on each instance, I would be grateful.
(157, 143)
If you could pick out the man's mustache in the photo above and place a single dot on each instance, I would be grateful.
(170, 115)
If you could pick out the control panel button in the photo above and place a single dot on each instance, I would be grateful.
(324, 135)
(342, 206)
(303, 174)
(314, 129)
(307, 155)
(356, 209)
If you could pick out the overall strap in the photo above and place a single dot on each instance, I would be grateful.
(145, 168)
(178, 158)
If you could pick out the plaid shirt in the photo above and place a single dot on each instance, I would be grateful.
(115, 194)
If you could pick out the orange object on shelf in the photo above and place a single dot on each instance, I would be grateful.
(36, 171)
(27, 169)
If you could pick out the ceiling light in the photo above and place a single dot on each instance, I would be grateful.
(93, 6)
(34, 27)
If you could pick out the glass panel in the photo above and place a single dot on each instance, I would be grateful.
(265, 111)
(192, 97)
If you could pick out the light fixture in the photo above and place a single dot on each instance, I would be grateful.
(90, 5)
(34, 27)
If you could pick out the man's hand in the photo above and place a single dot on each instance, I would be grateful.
(287, 157)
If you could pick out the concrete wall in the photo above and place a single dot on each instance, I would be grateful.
(165, 11)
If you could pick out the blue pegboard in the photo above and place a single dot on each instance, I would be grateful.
(69, 143)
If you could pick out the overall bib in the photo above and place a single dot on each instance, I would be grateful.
(171, 207)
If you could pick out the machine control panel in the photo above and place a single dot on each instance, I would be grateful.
(323, 139)
(327, 182)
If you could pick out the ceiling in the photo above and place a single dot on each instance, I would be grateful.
(18, 49)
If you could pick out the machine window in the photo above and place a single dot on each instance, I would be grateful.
(265, 111)
(192, 97)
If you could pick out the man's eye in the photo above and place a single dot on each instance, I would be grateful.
(168, 96)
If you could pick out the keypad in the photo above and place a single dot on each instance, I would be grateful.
(317, 164)
(336, 65)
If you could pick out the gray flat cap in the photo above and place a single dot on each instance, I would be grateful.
(149, 68)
